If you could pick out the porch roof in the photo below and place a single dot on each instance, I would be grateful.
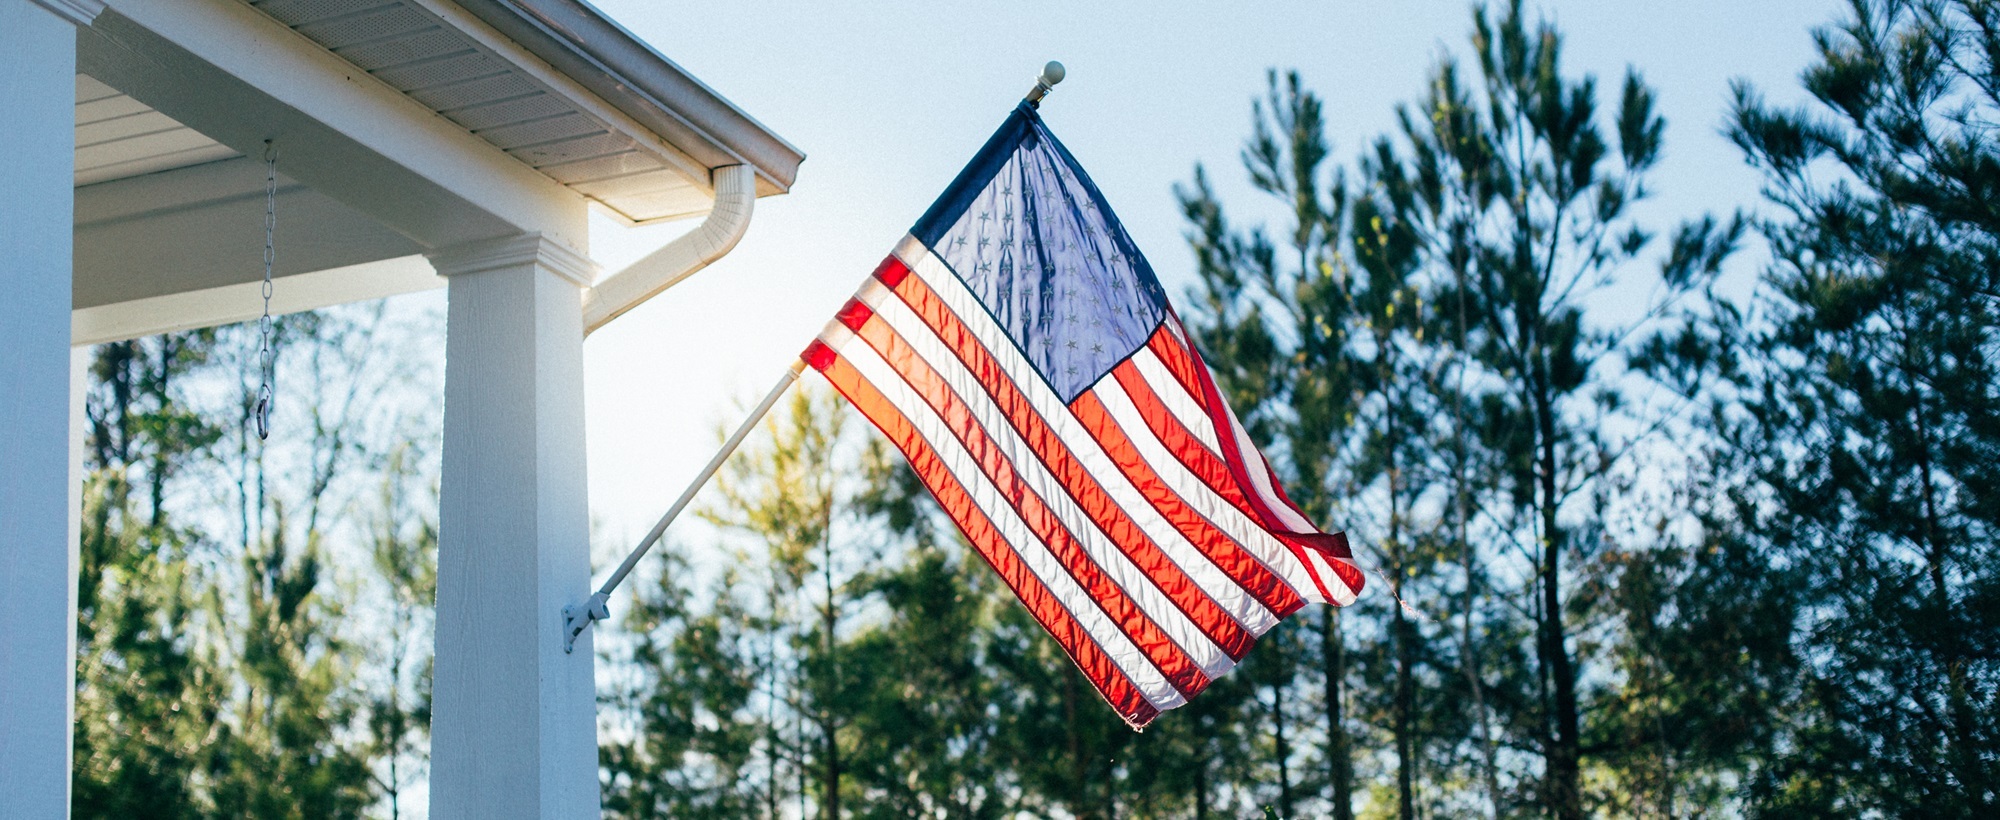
(553, 83)
(403, 127)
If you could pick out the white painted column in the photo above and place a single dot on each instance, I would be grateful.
(513, 722)
(39, 479)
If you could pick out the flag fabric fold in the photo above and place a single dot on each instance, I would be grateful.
(1019, 352)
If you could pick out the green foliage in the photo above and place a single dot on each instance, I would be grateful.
(215, 678)
(728, 690)
(697, 736)
(148, 691)
(276, 754)
(1856, 429)
(1423, 357)
(403, 545)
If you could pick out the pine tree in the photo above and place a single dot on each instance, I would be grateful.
(404, 551)
(698, 740)
(1854, 410)
(149, 685)
(1522, 205)
(924, 733)
(1055, 732)
(747, 703)
(214, 678)
(285, 745)
(1420, 352)
(1273, 323)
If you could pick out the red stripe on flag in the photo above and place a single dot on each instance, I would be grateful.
(1218, 624)
(1242, 568)
(1187, 367)
(1181, 362)
(818, 355)
(854, 314)
(1179, 440)
(1179, 359)
(1278, 487)
(1110, 681)
(1233, 456)
(1334, 546)
(891, 271)
(1170, 658)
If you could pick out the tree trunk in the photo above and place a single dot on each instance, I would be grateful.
(157, 478)
(830, 773)
(829, 726)
(1340, 761)
(1461, 492)
(1400, 629)
(1284, 751)
(1565, 797)
(1077, 765)
(1971, 772)
(1201, 790)
(1406, 697)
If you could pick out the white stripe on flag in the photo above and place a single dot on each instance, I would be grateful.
(1260, 478)
(1341, 592)
(1174, 395)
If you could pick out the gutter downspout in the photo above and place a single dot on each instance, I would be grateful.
(735, 196)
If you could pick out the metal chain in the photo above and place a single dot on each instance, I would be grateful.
(266, 357)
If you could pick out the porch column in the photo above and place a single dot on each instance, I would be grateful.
(513, 722)
(39, 479)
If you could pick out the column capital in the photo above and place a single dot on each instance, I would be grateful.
(80, 12)
(515, 251)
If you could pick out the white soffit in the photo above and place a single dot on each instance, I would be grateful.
(408, 47)
(119, 137)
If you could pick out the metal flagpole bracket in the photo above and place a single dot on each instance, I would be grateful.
(1051, 74)
(578, 617)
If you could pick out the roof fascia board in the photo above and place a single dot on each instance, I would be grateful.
(79, 12)
(567, 87)
(582, 43)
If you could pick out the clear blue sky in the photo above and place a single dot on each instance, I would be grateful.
(888, 103)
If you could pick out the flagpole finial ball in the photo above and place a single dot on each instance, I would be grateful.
(1051, 74)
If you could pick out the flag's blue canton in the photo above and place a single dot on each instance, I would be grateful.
(1029, 234)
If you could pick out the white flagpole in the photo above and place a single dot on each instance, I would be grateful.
(578, 617)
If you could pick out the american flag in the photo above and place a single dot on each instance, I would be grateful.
(1018, 350)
